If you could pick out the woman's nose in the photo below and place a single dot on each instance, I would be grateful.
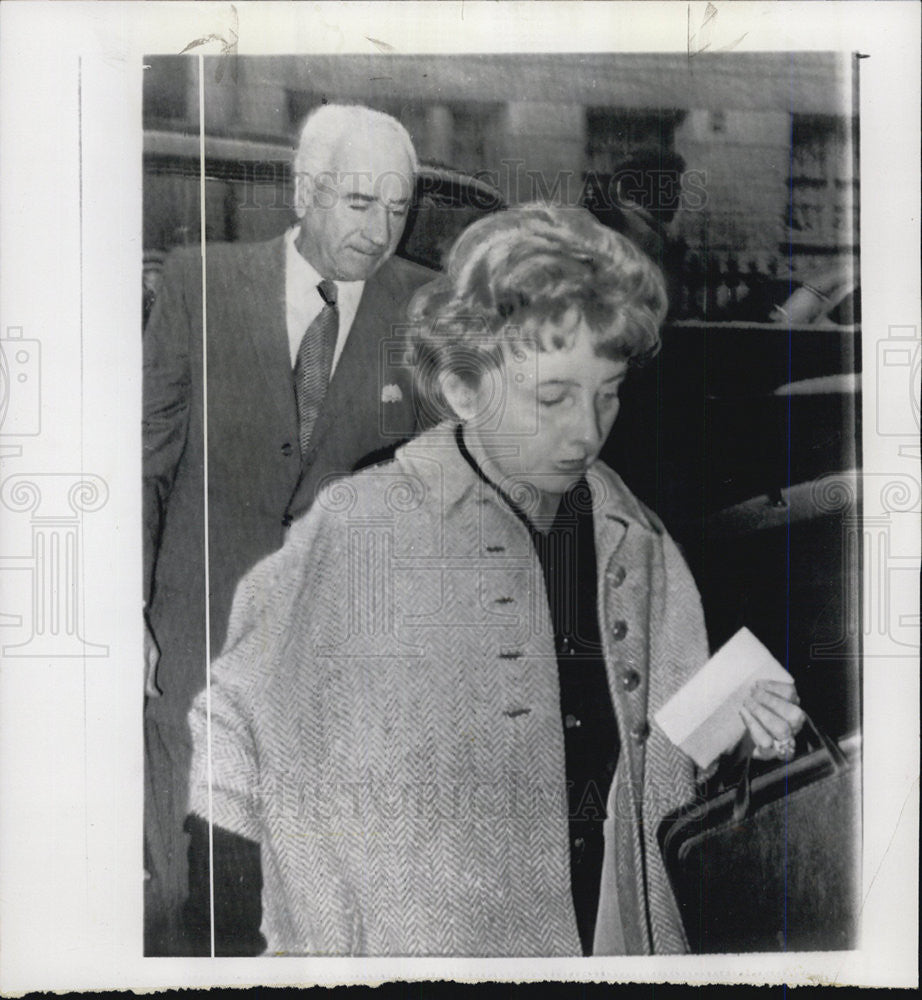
(588, 426)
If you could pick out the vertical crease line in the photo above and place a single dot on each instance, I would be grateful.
(787, 546)
(201, 147)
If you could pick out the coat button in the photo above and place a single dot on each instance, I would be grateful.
(571, 722)
(640, 732)
(619, 629)
(615, 576)
(287, 521)
(630, 680)
(287, 449)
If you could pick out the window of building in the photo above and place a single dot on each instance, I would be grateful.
(821, 185)
(613, 134)
(166, 86)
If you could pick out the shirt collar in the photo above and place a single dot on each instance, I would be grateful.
(296, 263)
(308, 278)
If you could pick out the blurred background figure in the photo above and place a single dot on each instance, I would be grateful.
(640, 200)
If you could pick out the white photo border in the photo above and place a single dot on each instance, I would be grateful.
(70, 243)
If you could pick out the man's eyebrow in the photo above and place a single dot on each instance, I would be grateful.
(369, 198)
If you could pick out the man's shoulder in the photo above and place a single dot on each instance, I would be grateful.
(404, 276)
(219, 256)
(413, 271)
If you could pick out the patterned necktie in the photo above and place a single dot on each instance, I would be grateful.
(315, 362)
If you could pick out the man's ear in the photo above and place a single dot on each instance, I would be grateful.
(463, 398)
(304, 193)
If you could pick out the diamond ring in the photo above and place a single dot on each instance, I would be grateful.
(784, 748)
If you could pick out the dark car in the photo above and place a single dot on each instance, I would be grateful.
(830, 295)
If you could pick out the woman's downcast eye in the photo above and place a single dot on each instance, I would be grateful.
(608, 398)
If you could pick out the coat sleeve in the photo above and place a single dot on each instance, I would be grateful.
(271, 613)
(167, 389)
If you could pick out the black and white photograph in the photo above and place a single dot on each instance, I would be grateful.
(447, 676)
(505, 546)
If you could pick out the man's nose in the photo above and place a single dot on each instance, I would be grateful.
(378, 226)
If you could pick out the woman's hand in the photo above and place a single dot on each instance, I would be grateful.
(773, 718)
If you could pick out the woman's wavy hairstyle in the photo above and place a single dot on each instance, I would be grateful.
(531, 273)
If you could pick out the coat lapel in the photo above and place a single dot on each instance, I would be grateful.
(262, 272)
(620, 536)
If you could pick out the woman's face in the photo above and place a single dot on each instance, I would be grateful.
(543, 416)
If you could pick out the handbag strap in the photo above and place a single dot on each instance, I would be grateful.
(743, 795)
(839, 761)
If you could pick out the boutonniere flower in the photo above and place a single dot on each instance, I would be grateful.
(391, 394)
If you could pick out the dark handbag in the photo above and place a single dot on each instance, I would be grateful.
(774, 864)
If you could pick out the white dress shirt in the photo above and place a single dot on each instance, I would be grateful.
(303, 301)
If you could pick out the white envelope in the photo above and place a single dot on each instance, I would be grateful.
(703, 717)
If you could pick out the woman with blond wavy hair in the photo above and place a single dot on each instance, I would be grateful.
(431, 729)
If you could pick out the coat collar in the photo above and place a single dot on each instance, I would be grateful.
(619, 514)
(433, 457)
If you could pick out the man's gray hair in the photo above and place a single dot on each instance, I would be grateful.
(325, 126)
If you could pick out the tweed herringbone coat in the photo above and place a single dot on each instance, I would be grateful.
(385, 721)
(256, 480)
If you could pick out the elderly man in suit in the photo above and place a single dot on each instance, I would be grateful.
(268, 368)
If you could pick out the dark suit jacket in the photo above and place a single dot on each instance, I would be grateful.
(255, 481)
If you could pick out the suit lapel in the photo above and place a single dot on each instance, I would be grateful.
(262, 272)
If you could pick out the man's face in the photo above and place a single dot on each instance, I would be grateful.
(352, 215)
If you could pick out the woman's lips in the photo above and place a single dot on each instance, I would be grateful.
(572, 465)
